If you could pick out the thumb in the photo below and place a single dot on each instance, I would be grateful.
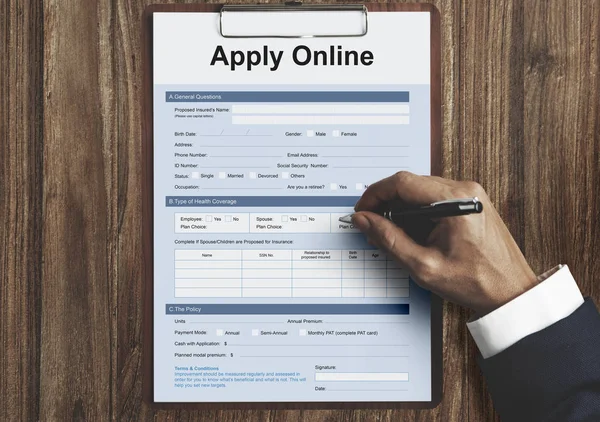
(391, 238)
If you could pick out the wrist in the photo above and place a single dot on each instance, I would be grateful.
(555, 297)
(507, 289)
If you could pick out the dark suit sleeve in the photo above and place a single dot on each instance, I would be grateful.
(551, 375)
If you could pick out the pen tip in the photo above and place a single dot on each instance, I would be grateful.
(346, 219)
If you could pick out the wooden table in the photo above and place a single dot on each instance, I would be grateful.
(521, 115)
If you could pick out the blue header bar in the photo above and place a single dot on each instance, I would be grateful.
(261, 201)
(287, 97)
(287, 309)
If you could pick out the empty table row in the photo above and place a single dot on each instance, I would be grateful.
(293, 292)
(292, 273)
(295, 283)
(285, 264)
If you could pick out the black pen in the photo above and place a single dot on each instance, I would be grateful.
(448, 208)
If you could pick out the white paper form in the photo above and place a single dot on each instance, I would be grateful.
(260, 145)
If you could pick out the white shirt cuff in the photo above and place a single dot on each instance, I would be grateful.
(553, 299)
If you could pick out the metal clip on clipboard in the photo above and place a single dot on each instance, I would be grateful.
(293, 7)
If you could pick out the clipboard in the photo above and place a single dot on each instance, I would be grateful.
(148, 197)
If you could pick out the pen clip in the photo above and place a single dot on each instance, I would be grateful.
(460, 201)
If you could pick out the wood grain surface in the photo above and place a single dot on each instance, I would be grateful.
(521, 115)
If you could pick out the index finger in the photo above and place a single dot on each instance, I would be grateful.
(406, 186)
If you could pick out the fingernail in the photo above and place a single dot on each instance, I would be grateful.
(362, 222)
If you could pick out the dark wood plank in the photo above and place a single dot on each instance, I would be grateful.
(127, 62)
(21, 77)
(562, 116)
(490, 147)
(79, 236)
(455, 369)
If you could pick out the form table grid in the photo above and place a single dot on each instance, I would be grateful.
(300, 273)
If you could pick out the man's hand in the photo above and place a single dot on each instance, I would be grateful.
(471, 260)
